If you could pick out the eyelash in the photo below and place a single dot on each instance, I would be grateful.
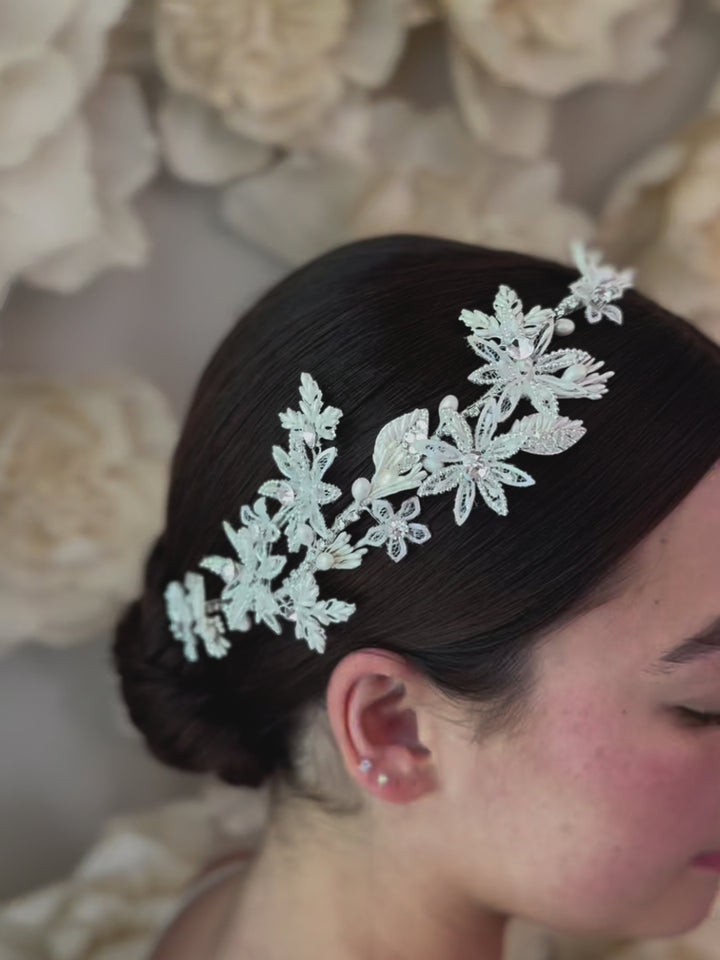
(695, 718)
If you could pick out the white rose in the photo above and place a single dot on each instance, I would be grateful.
(272, 68)
(246, 78)
(549, 47)
(83, 481)
(130, 882)
(390, 167)
(663, 217)
(65, 209)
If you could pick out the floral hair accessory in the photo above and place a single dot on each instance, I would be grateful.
(514, 347)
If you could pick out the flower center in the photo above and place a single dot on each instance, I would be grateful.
(398, 528)
(478, 468)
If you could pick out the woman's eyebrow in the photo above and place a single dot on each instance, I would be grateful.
(703, 644)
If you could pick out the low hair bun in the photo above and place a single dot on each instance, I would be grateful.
(173, 707)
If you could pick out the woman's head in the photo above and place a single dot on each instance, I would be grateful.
(520, 630)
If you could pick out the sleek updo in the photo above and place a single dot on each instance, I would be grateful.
(376, 324)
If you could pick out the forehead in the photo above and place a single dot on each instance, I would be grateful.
(677, 566)
(671, 593)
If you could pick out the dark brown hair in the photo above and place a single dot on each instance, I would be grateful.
(376, 324)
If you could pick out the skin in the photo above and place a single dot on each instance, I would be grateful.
(585, 820)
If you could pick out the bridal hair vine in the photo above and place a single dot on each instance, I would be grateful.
(513, 345)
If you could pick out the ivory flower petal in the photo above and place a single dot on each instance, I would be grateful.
(37, 95)
(399, 169)
(48, 202)
(83, 37)
(298, 207)
(552, 46)
(199, 147)
(120, 241)
(129, 883)
(374, 40)
(253, 57)
(123, 157)
(28, 26)
(71, 156)
(508, 119)
(663, 216)
(273, 69)
(83, 476)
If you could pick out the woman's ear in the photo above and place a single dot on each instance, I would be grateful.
(373, 699)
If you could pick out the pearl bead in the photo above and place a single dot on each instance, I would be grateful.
(575, 372)
(450, 402)
(564, 326)
(305, 534)
(324, 561)
(360, 488)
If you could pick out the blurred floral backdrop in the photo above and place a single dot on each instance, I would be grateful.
(295, 114)
(292, 111)
(308, 123)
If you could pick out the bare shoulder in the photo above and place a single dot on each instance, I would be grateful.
(197, 929)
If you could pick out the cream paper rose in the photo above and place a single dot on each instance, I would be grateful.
(663, 217)
(130, 883)
(83, 479)
(273, 68)
(549, 47)
(74, 147)
(388, 167)
(208, 140)
(507, 119)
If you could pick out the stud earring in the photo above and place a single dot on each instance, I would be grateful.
(365, 765)
(383, 779)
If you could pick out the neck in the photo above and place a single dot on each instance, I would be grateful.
(344, 888)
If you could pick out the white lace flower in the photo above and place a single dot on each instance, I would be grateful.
(475, 463)
(303, 493)
(395, 455)
(299, 603)
(598, 285)
(247, 586)
(394, 528)
(519, 365)
(311, 420)
(189, 620)
(340, 554)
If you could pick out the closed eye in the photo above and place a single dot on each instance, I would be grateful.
(695, 718)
